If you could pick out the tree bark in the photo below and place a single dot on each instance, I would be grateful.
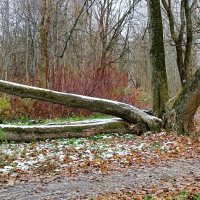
(67, 130)
(157, 55)
(44, 32)
(189, 40)
(114, 108)
(185, 106)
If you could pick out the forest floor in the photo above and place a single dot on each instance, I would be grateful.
(111, 166)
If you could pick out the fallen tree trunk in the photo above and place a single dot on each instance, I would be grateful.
(125, 111)
(77, 129)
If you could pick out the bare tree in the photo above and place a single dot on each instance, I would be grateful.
(110, 26)
(181, 31)
(46, 7)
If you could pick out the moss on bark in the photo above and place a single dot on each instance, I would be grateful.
(186, 105)
(159, 77)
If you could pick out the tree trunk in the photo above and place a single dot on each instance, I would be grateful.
(44, 32)
(180, 63)
(186, 106)
(114, 108)
(67, 130)
(189, 40)
(159, 76)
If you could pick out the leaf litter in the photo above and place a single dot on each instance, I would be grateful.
(100, 155)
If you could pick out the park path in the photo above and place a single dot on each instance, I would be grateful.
(165, 176)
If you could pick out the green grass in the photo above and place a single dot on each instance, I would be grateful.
(28, 121)
(148, 197)
(184, 195)
(2, 137)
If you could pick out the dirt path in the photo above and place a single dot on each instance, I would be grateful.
(90, 185)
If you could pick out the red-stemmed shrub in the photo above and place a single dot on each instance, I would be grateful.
(111, 84)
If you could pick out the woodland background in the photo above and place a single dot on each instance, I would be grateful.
(91, 47)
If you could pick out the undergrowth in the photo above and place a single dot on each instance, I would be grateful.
(85, 81)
